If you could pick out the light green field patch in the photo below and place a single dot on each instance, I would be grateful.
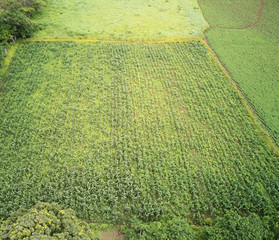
(120, 19)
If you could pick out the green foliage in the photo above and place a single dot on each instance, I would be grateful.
(5, 33)
(2, 55)
(229, 227)
(175, 229)
(122, 130)
(15, 18)
(234, 227)
(250, 55)
(271, 222)
(45, 221)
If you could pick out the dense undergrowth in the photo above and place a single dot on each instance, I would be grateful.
(16, 22)
(49, 221)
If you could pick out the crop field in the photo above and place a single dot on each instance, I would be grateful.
(247, 44)
(122, 130)
(154, 19)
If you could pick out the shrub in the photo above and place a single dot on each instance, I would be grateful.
(15, 18)
(233, 226)
(175, 229)
(45, 221)
(272, 224)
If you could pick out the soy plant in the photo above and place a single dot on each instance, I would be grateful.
(118, 131)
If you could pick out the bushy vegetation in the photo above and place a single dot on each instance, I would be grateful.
(234, 227)
(231, 226)
(251, 55)
(50, 221)
(174, 229)
(15, 18)
(15, 22)
(119, 130)
(45, 221)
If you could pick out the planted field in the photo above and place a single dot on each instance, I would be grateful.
(122, 130)
(250, 54)
(154, 19)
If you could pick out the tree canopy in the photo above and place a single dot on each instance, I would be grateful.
(15, 18)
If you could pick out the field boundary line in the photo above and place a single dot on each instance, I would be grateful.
(260, 126)
(240, 28)
(124, 40)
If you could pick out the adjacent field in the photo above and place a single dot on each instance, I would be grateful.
(251, 55)
(153, 19)
(117, 130)
(230, 14)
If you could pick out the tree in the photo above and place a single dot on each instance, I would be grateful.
(15, 18)
(45, 221)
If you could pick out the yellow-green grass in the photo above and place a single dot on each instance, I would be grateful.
(149, 19)
(123, 130)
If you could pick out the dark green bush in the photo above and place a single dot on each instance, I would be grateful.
(15, 18)
(45, 221)
(233, 226)
(271, 223)
(175, 229)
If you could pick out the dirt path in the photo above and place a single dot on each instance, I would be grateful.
(249, 103)
(242, 28)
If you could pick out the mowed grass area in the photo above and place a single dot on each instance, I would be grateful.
(149, 19)
(250, 55)
(121, 130)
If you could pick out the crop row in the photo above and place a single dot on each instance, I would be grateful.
(119, 130)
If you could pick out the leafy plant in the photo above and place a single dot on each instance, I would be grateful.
(232, 226)
(175, 229)
(45, 221)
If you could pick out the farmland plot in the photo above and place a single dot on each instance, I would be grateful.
(149, 19)
(122, 130)
(247, 44)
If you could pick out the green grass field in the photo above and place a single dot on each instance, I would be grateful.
(251, 55)
(123, 130)
(230, 14)
(149, 19)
